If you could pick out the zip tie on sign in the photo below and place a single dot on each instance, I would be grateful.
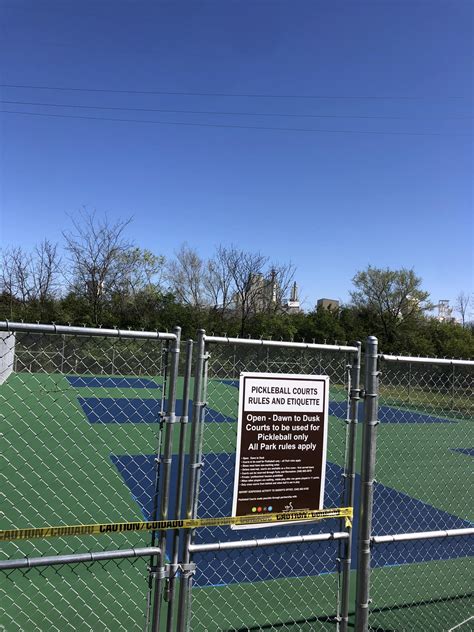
(31, 533)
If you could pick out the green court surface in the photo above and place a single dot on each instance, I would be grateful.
(56, 469)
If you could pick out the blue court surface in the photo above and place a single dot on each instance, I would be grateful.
(79, 381)
(468, 451)
(123, 410)
(235, 383)
(387, 414)
(136, 410)
(394, 513)
(390, 415)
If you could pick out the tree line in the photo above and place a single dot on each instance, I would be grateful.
(100, 277)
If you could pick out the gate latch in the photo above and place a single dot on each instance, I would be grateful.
(170, 571)
(188, 570)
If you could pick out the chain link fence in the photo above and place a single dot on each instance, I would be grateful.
(105, 595)
(81, 415)
(300, 592)
(424, 446)
(284, 586)
(422, 540)
(89, 436)
(423, 584)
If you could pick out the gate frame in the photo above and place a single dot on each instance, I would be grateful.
(195, 464)
(157, 569)
(366, 539)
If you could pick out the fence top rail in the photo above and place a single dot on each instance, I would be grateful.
(260, 342)
(39, 328)
(418, 360)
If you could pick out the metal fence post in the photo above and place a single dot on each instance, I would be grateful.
(174, 566)
(166, 477)
(156, 487)
(369, 438)
(184, 603)
(348, 499)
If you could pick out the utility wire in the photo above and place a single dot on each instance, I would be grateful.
(219, 112)
(276, 129)
(222, 94)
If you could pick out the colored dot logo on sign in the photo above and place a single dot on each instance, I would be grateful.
(270, 508)
(264, 509)
(259, 509)
(254, 509)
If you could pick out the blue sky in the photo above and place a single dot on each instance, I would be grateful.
(330, 201)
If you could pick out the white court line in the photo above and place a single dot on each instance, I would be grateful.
(462, 623)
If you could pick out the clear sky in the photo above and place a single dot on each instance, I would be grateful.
(331, 201)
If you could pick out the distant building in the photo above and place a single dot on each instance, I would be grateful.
(328, 303)
(264, 293)
(292, 305)
(445, 312)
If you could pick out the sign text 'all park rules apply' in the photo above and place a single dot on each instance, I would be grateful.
(281, 443)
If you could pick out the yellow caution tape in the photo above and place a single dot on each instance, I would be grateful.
(160, 525)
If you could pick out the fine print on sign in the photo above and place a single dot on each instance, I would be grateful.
(281, 443)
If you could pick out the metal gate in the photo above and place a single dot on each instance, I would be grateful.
(298, 576)
(416, 535)
(85, 416)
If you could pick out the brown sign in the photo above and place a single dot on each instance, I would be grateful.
(281, 443)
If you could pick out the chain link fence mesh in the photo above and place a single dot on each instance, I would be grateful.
(80, 422)
(301, 595)
(424, 482)
(423, 585)
(286, 586)
(108, 595)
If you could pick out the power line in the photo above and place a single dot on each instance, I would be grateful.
(219, 112)
(183, 123)
(223, 94)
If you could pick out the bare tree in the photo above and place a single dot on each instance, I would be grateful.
(247, 270)
(28, 278)
(97, 251)
(22, 274)
(46, 265)
(463, 302)
(14, 276)
(241, 282)
(17, 280)
(7, 279)
(218, 281)
(186, 276)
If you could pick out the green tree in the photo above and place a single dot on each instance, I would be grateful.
(393, 297)
(138, 292)
(451, 340)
